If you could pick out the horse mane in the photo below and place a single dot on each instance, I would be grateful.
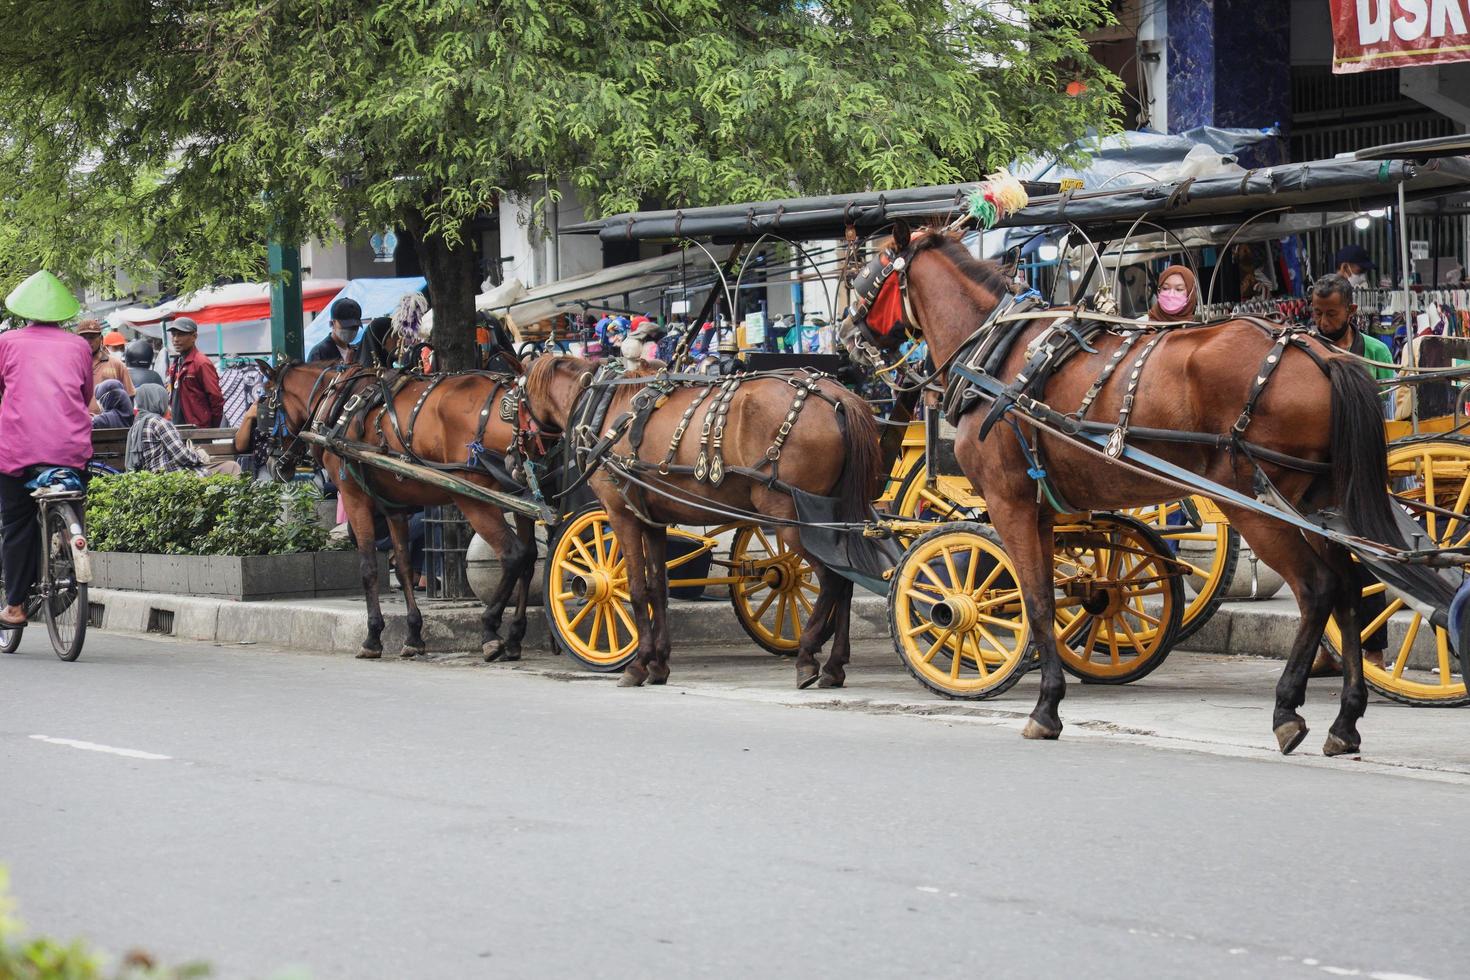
(982, 272)
(539, 377)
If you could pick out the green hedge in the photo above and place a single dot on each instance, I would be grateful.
(184, 514)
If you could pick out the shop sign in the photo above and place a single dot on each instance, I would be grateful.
(1371, 34)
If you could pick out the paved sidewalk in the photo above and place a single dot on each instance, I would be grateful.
(1256, 629)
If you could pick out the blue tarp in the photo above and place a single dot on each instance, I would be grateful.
(377, 297)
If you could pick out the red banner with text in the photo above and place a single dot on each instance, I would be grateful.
(1372, 34)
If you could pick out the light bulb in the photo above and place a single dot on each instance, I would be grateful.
(1361, 222)
(1048, 252)
(1377, 212)
(1074, 274)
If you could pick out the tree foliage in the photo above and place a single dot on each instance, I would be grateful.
(169, 135)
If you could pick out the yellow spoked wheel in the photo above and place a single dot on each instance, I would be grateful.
(1120, 598)
(1421, 668)
(588, 608)
(1200, 537)
(777, 589)
(956, 614)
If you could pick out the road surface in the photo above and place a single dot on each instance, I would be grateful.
(264, 810)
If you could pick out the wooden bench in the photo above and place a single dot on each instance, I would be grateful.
(110, 445)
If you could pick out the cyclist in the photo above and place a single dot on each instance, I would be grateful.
(45, 388)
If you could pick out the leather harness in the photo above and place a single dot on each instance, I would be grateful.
(1069, 332)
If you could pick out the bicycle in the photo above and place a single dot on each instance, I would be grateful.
(60, 592)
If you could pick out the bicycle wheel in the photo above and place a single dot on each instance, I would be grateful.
(64, 599)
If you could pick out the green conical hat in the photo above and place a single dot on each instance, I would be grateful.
(43, 297)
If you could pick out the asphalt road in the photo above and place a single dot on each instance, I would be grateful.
(402, 820)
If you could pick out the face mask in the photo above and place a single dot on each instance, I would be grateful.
(1173, 302)
(1358, 279)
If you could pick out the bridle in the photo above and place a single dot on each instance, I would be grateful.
(276, 447)
(881, 289)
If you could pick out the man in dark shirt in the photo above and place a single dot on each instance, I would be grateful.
(338, 344)
(194, 380)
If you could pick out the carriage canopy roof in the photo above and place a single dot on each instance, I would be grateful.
(1323, 185)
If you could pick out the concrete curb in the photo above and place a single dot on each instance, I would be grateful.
(337, 625)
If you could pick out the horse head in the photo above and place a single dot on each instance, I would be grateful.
(287, 401)
(925, 285)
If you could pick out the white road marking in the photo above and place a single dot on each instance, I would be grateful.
(94, 747)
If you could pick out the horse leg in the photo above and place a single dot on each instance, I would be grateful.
(526, 535)
(413, 644)
(360, 518)
(629, 531)
(818, 627)
(490, 525)
(1342, 737)
(1314, 584)
(839, 628)
(1025, 528)
(655, 554)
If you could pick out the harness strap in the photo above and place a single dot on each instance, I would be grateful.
(1263, 377)
(1106, 374)
(681, 428)
(1115, 441)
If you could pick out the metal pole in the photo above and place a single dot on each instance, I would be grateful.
(288, 338)
(1409, 324)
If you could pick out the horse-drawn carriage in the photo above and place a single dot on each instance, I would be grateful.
(965, 606)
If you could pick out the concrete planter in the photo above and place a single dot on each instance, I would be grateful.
(482, 571)
(300, 576)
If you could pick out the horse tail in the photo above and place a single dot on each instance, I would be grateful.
(1360, 454)
(1360, 475)
(862, 457)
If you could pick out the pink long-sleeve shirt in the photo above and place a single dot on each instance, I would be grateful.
(46, 386)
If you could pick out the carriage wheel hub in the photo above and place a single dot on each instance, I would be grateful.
(956, 612)
(594, 586)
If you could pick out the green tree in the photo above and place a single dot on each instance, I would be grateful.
(167, 135)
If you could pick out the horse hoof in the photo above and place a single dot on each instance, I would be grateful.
(632, 678)
(1289, 735)
(411, 651)
(827, 680)
(367, 654)
(1036, 731)
(493, 650)
(805, 679)
(510, 656)
(1337, 746)
(655, 680)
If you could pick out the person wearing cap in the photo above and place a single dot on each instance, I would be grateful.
(113, 340)
(338, 344)
(105, 365)
(1353, 264)
(192, 377)
(138, 357)
(45, 388)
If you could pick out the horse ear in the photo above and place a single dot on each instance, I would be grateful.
(901, 234)
(265, 368)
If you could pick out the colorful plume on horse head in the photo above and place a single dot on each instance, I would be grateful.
(998, 197)
(408, 316)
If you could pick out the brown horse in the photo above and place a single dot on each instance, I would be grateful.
(782, 430)
(1317, 406)
(440, 421)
